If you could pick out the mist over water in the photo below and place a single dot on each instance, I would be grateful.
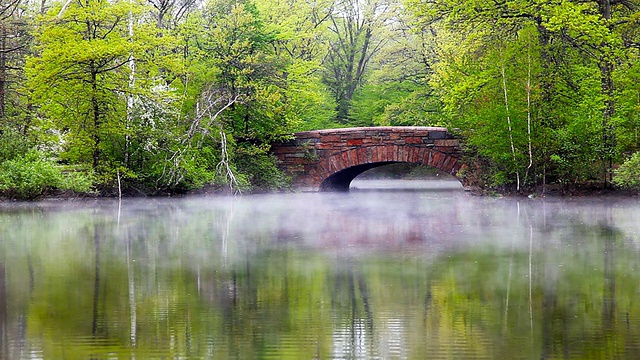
(390, 270)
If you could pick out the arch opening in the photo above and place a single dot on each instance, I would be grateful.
(396, 175)
(406, 171)
(341, 180)
(405, 176)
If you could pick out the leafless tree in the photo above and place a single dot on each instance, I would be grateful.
(7, 10)
(176, 9)
(207, 122)
(356, 26)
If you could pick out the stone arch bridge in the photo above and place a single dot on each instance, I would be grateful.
(331, 159)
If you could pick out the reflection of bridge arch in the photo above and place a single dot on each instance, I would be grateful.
(331, 159)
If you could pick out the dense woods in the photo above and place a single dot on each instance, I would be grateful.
(164, 96)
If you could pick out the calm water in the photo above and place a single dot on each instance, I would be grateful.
(370, 274)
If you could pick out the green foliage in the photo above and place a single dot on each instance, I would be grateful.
(179, 169)
(577, 145)
(31, 176)
(369, 103)
(394, 104)
(260, 168)
(80, 79)
(627, 117)
(628, 175)
(26, 174)
(357, 33)
(145, 105)
(12, 144)
(309, 104)
(248, 73)
(299, 30)
(78, 181)
(145, 91)
(559, 64)
(482, 85)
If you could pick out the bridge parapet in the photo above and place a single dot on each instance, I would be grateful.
(330, 159)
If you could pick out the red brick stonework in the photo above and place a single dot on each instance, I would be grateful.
(330, 159)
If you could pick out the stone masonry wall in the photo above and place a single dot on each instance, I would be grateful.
(315, 155)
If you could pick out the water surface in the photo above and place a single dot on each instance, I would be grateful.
(413, 274)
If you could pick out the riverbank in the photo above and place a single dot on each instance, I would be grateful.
(367, 184)
(556, 190)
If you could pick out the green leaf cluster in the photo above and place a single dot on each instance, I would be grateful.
(628, 174)
(31, 176)
(169, 96)
(544, 91)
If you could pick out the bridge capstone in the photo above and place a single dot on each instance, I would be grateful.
(331, 159)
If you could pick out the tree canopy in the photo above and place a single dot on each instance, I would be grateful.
(163, 96)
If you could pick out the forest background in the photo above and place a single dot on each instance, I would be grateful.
(167, 96)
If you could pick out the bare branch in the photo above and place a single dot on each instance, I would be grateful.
(7, 9)
(64, 8)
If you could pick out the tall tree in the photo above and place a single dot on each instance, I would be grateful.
(397, 91)
(234, 86)
(80, 78)
(9, 44)
(173, 11)
(357, 28)
(236, 45)
(301, 26)
(598, 28)
(578, 42)
(300, 30)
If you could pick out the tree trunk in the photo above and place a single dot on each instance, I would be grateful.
(545, 112)
(607, 67)
(96, 321)
(3, 70)
(609, 281)
(130, 98)
(608, 110)
(509, 127)
(96, 119)
(4, 321)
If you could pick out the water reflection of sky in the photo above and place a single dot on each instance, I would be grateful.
(406, 185)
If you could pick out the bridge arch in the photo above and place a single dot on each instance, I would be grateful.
(329, 160)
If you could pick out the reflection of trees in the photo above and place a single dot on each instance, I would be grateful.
(553, 320)
(4, 322)
(572, 304)
(95, 322)
(608, 236)
(132, 292)
(580, 316)
(175, 282)
(347, 299)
